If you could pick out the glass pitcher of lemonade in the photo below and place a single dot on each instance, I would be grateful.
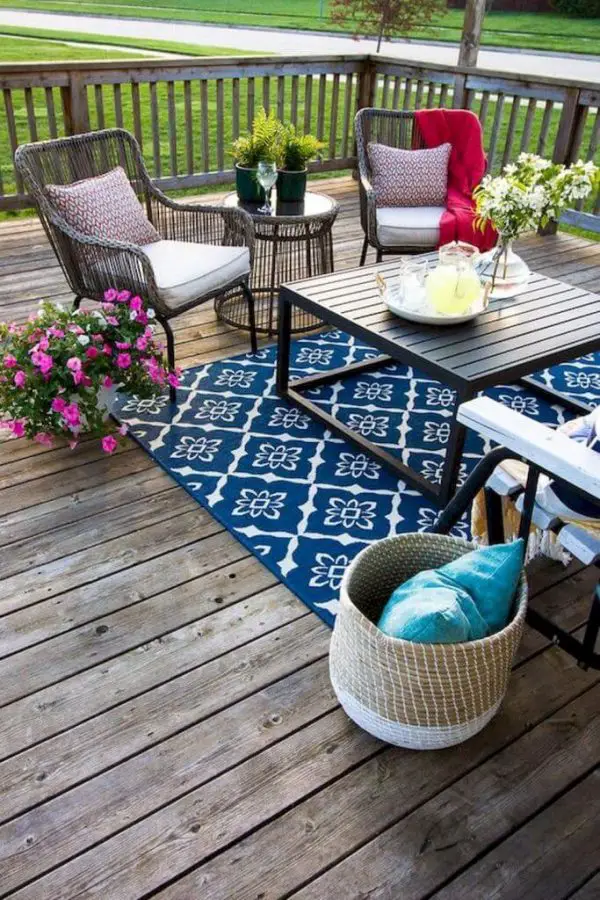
(454, 285)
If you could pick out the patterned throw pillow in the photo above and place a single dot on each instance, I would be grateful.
(409, 177)
(105, 207)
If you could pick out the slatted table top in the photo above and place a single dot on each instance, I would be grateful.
(551, 322)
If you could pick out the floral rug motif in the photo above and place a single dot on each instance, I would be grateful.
(303, 501)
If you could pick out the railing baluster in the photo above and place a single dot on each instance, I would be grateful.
(294, 102)
(444, 95)
(529, 117)
(50, 112)
(266, 93)
(189, 133)
(431, 95)
(235, 108)
(204, 125)
(419, 94)
(12, 133)
(321, 107)
(546, 118)
(396, 94)
(31, 122)
(495, 130)
(155, 127)
(510, 134)
(407, 94)
(347, 113)
(250, 104)
(333, 119)
(483, 109)
(280, 97)
(384, 91)
(99, 103)
(308, 104)
(220, 127)
(172, 120)
(118, 105)
(137, 113)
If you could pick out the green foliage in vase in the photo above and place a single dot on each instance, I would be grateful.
(298, 149)
(262, 144)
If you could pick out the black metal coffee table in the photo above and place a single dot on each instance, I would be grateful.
(549, 323)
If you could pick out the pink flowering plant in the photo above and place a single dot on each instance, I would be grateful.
(56, 371)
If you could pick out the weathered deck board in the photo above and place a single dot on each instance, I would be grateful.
(167, 726)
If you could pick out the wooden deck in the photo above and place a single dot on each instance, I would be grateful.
(167, 725)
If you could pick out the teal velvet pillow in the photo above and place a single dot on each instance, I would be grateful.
(464, 600)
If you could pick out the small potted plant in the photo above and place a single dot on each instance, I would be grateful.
(59, 371)
(295, 152)
(262, 144)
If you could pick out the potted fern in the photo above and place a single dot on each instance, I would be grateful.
(296, 151)
(262, 144)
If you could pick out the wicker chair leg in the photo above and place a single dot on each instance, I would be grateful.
(251, 316)
(363, 255)
(77, 301)
(170, 355)
(379, 256)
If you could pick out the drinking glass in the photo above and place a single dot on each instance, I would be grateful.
(267, 176)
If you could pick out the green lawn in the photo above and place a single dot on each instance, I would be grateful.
(45, 45)
(549, 31)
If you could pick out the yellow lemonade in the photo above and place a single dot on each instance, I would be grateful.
(451, 291)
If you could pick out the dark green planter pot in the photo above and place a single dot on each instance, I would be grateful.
(248, 188)
(291, 186)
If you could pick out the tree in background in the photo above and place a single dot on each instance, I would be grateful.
(388, 17)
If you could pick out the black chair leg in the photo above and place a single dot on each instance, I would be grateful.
(363, 255)
(379, 256)
(251, 317)
(170, 356)
(77, 301)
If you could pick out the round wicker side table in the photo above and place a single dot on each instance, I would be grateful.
(292, 243)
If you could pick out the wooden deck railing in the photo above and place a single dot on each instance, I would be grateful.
(185, 112)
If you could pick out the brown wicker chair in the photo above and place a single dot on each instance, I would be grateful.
(90, 264)
(396, 129)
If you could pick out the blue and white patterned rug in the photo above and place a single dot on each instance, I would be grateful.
(302, 501)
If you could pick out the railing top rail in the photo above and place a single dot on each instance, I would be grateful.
(216, 63)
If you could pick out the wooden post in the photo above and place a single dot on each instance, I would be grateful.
(75, 105)
(471, 36)
(568, 138)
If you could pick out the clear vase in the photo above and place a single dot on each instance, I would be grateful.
(504, 269)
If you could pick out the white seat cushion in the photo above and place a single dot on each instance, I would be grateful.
(186, 271)
(409, 226)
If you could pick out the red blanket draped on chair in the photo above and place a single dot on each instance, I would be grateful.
(462, 129)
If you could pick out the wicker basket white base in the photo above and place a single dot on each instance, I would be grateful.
(412, 737)
(421, 696)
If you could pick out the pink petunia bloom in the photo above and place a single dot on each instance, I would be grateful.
(76, 329)
(53, 331)
(136, 303)
(142, 318)
(71, 415)
(42, 437)
(123, 429)
(112, 320)
(109, 444)
(173, 379)
(141, 343)
(91, 352)
(42, 360)
(107, 350)
(43, 343)
(20, 379)
(148, 333)
(97, 338)
(17, 427)
(123, 360)
(110, 295)
(74, 364)
(58, 405)
(107, 382)
(123, 296)
(77, 376)
(122, 345)
(87, 381)
(108, 307)
(10, 361)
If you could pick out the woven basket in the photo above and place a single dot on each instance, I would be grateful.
(422, 696)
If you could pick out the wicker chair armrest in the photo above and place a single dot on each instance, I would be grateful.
(369, 200)
(201, 223)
